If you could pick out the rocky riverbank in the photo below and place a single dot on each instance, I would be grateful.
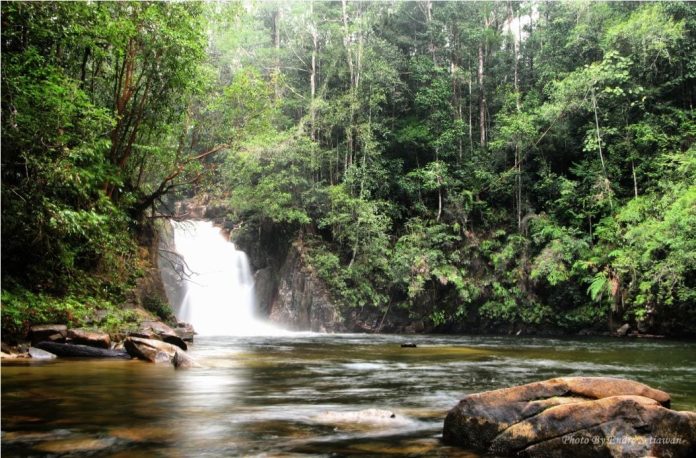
(154, 342)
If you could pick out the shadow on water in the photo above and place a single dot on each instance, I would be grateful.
(303, 394)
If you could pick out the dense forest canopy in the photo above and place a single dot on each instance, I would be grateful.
(525, 163)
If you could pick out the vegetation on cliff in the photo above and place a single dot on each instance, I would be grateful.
(496, 163)
(94, 97)
(500, 163)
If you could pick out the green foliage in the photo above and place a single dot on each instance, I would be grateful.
(422, 157)
(560, 248)
(91, 93)
(649, 246)
(22, 308)
(649, 35)
(269, 178)
(159, 308)
(426, 254)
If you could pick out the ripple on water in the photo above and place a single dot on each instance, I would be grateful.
(374, 366)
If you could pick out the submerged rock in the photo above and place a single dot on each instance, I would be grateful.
(91, 338)
(572, 416)
(368, 418)
(80, 351)
(72, 446)
(48, 333)
(141, 433)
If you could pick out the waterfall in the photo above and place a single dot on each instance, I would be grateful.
(216, 287)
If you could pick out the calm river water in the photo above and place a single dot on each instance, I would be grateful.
(301, 395)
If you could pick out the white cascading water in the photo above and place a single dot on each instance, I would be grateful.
(218, 287)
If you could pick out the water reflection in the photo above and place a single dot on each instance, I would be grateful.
(288, 396)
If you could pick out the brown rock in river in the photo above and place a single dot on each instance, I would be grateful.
(91, 338)
(154, 351)
(183, 361)
(572, 416)
(48, 333)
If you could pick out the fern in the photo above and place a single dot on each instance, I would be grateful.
(598, 286)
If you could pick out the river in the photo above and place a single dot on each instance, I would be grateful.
(302, 394)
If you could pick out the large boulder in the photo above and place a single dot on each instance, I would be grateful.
(152, 350)
(91, 338)
(572, 416)
(157, 351)
(48, 333)
(66, 350)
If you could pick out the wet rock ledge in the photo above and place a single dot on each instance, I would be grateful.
(573, 417)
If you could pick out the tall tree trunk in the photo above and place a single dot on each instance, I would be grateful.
(456, 89)
(541, 44)
(356, 87)
(427, 8)
(471, 108)
(313, 74)
(482, 96)
(347, 42)
(124, 90)
(276, 17)
(607, 184)
(516, 40)
(83, 70)
(518, 179)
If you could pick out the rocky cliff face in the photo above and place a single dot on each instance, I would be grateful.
(170, 266)
(149, 289)
(301, 301)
